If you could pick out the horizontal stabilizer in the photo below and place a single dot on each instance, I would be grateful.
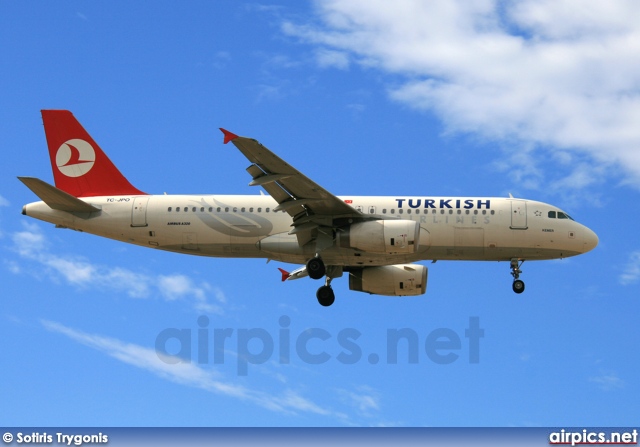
(56, 198)
(296, 274)
(285, 274)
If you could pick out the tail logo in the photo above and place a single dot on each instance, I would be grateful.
(75, 158)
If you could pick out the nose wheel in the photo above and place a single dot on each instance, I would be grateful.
(518, 284)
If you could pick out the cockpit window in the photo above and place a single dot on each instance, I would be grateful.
(560, 215)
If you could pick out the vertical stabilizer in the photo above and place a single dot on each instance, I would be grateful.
(80, 167)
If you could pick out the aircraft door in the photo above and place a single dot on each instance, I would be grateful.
(518, 215)
(139, 212)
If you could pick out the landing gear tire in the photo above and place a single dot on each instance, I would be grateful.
(325, 296)
(316, 268)
(518, 286)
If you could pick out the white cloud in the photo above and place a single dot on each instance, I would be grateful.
(607, 381)
(31, 245)
(179, 286)
(12, 266)
(558, 75)
(631, 273)
(30, 241)
(364, 399)
(4, 202)
(188, 374)
(331, 58)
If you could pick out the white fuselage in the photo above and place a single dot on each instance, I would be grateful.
(452, 228)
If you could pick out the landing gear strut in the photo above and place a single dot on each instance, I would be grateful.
(316, 268)
(325, 294)
(518, 285)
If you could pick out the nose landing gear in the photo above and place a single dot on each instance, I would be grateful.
(518, 285)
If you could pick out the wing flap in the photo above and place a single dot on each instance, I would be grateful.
(56, 198)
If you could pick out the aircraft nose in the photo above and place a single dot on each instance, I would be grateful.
(590, 240)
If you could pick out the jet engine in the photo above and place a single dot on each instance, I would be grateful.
(381, 236)
(390, 280)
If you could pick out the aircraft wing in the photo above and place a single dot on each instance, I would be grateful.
(307, 202)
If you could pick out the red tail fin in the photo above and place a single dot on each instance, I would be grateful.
(79, 165)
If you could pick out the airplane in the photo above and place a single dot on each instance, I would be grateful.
(377, 241)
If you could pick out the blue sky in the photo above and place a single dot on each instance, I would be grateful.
(538, 99)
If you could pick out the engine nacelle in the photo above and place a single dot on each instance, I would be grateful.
(381, 236)
(390, 280)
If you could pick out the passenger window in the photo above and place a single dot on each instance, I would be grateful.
(202, 209)
(441, 211)
(169, 209)
(218, 209)
(235, 209)
(266, 210)
(450, 211)
(552, 214)
(210, 209)
(260, 209)
(493, 212)
(177, 209)
(400, 211)
(193, 209)
(393, 211)
(459, 211)
(417, 211)
(466, 211)
(384, 211)
(251, 210)
(242, 209)
(484, 211)
(226, 209)
(475, 211)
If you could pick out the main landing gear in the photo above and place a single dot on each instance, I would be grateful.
(325, 294)
(316, 270)
(518, 285)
